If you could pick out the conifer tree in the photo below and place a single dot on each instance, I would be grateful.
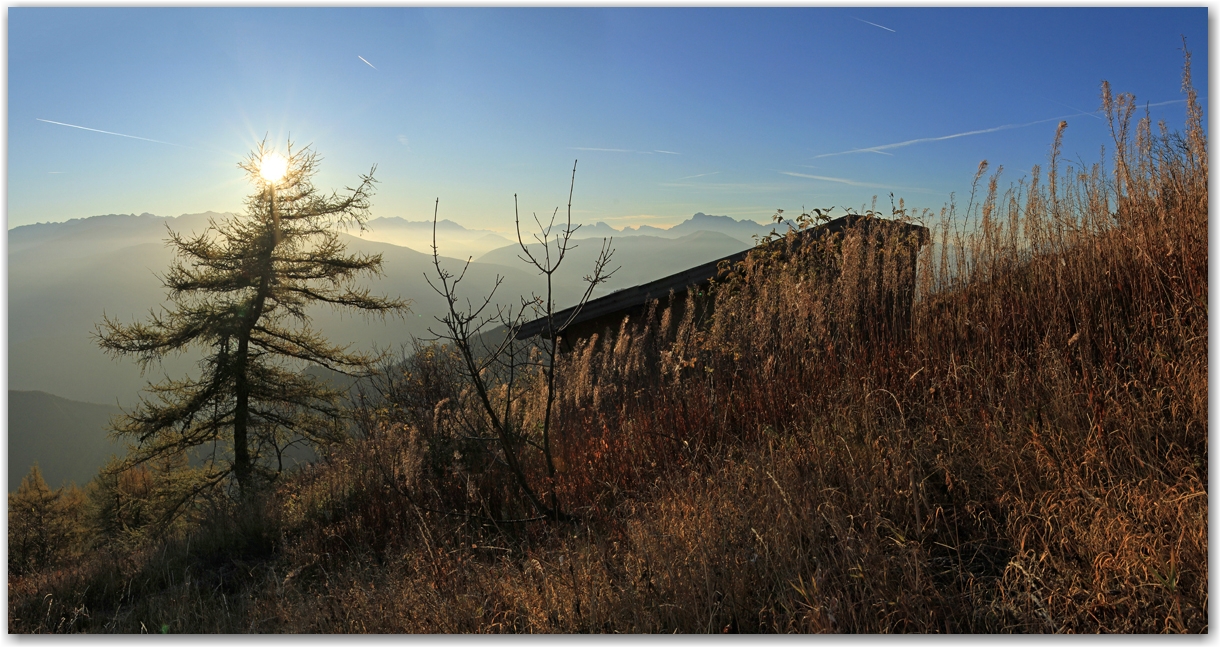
(242, 290)
(44, 525)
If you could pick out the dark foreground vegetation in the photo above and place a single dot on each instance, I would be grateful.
(1029, 455)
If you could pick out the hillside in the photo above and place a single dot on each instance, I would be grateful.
(64, 276)
(847, 433)
(65, 437)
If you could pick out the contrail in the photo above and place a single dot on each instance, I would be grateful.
(1165, 103)
(883, 147)
(366, 62)
(874, 24)
(841, 180)
(1091, 114)
(621, 150)
(878, 149)
(835, 179)
(107, 132)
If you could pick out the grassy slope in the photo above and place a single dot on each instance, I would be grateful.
(1031, 456)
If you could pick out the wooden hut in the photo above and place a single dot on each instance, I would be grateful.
(604, 315)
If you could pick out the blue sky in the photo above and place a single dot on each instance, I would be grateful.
(670, 111)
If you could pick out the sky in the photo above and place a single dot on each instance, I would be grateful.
(666, 112)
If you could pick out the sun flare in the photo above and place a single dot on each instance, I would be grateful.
(272, 167)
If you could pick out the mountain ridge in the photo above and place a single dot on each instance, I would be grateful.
(64, 276)
(67, 438)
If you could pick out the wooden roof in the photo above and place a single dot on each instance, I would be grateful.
(638, 295)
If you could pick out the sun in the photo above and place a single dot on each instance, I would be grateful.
(272, 167)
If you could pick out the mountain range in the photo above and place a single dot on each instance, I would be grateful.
(452, 239)
(457, 241)
(636, 258)
(742, 230)
(63, 277)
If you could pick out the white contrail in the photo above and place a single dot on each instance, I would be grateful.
(841, 180)
(883, 147)
(1093, 114)
(622, 150)
(700, 175)
(874, 24)
(107, 132)
(366, 62)
(921, 140)
(1165, 103)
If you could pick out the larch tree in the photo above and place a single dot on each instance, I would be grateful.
(45, 526)
(242, 291)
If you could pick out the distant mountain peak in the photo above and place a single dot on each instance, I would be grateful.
(112, 218)
(725, 219)
(398, 222)
(743, 230)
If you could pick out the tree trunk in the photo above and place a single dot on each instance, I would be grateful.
(242, 465)
(241, 416)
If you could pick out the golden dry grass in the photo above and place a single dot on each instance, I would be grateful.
(1029, 454)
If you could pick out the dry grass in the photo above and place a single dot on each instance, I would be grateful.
(1028, 455)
